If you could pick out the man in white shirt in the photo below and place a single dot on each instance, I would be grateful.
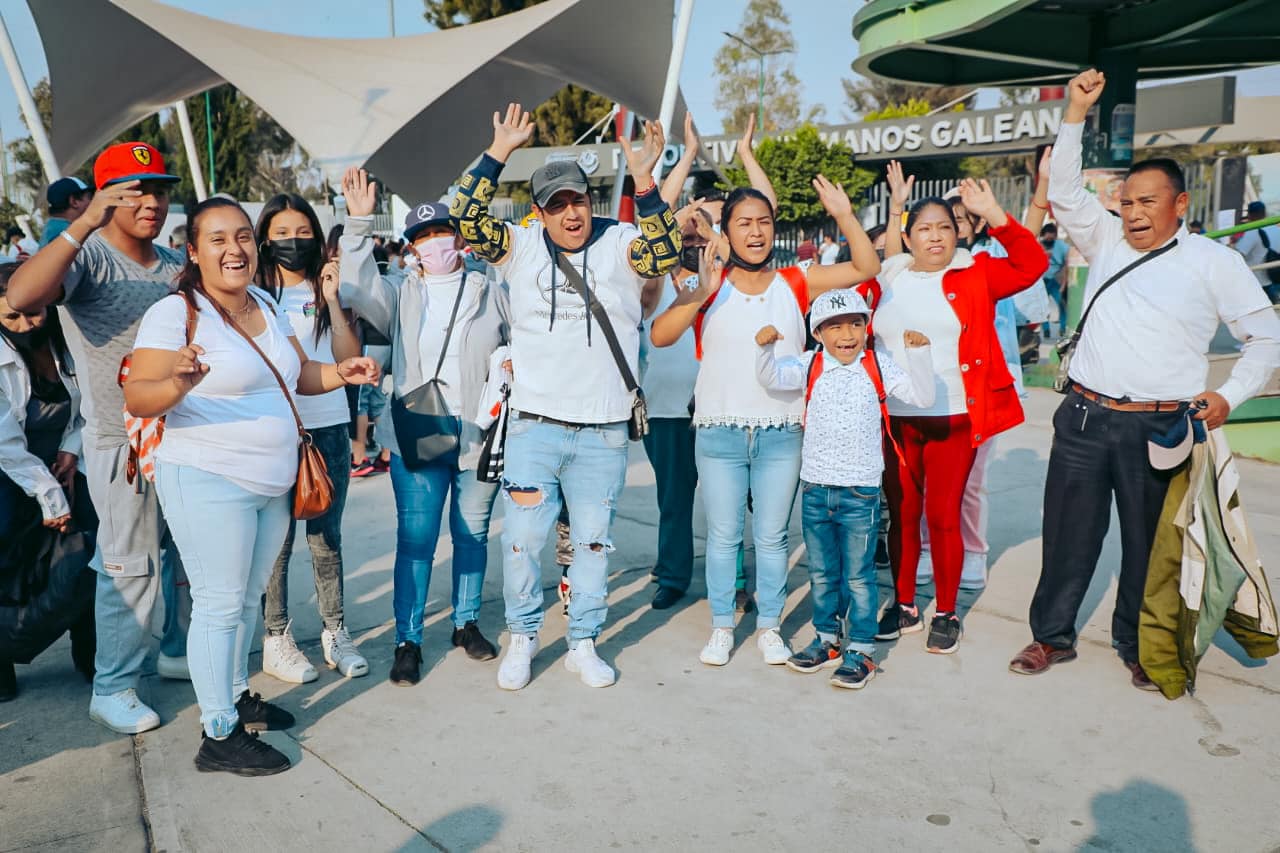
(567, 436)
(1255, 244)
(1140, 360)
(828, 251)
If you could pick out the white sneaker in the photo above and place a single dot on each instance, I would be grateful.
(924, 568)
(123, 712)
(716, 651)
(175, 668)
(587, 664)
(515, 669)
(341, 654)
(282, 658)
(973, 574)
(773, 647)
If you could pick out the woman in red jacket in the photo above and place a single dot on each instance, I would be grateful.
(950, 296)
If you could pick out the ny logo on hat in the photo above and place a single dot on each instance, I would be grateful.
(142, 154)
(836, 300)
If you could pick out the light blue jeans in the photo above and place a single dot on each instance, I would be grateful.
(229, 539)
(731, 461)
(546, 464)
(421, 496)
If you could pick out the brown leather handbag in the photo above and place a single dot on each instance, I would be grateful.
(313, 492)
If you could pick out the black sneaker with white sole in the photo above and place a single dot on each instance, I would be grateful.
(817, 655)
(259, 715)
(944, 634)
(856, 669)
(240, 753)
(899, 619)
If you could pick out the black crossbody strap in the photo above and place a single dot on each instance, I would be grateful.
(602, 319)
(1149, 256)
(448, 333)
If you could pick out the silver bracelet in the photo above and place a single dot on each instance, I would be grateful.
(66, 235)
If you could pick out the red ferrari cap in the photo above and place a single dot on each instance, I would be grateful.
(130, 161)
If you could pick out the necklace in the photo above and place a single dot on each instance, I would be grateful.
(243, 312)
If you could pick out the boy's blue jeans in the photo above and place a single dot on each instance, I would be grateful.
(840, 527)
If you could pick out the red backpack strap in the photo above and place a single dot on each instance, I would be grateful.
(815, 370)
(799, 285)
(702, 313)
(872, 366)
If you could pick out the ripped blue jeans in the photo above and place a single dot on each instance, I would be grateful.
(545, 465)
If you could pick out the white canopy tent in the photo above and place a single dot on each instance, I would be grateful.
(415, 110)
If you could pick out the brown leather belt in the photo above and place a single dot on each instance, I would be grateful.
(1125, 405)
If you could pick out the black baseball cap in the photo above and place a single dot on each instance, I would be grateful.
(554, 177)
(427, 213)
(60, 191)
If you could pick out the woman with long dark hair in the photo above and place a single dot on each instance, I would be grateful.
(227, 462)
(293, 269)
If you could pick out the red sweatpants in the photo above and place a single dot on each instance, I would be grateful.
(929, 480)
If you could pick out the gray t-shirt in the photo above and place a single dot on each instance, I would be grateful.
(105, 295)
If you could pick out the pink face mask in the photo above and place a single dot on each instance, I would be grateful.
(439, 255)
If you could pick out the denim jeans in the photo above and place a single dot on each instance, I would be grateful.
(420, 501)
(840, 529)
(585, 468)
(669, 445)
(1059, 298)
(324, 537)
(731, 461)
(229, 539)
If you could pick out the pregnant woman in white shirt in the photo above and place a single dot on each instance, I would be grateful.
(227, 463)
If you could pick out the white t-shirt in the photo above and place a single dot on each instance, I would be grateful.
(829, 254)
(668, 374)
(438, 299)
(557, 373)
(322, 410)
(724, 395)
(915, 301)
(236, 423)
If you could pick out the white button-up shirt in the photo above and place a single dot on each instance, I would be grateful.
(1148, 336)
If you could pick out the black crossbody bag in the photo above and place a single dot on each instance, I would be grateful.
(638, 425)
(425, 428)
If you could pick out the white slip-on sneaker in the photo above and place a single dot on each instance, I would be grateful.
(973, 573)
(175, 668)
(282, 659)
(924, 568)
(341, 654)
(716, 651)
(584, 661)
(515, 670)
(773, 647)
(123, 712)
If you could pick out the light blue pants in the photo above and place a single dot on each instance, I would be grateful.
(229, 539)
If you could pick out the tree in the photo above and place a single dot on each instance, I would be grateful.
(791, 162)
(765, 26)
(869, 94)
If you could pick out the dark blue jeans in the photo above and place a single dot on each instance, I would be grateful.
(840, 529)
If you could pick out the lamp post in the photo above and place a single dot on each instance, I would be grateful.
(760, 54)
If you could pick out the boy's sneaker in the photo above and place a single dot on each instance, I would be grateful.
(583, 660)
(944, 634)
(773, 647)
(517, 665)
(341, 654)
(240, 753)
(716, 651)
(259, 715)
(363, 468)
(123, 712)
(899, 619)
(856, 669)
(563, 591)
(817, 655)
(282, 658)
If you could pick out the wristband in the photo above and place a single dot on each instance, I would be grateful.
(1044, 207)
(652, 186)
(66, 235)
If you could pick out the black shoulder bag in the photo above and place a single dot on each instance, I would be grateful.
(638, 425)
(1067, 346)
(1273, 274)
(425, 428)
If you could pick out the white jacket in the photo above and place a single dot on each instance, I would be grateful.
(32, 475)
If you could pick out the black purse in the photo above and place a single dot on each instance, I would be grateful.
(425, 428)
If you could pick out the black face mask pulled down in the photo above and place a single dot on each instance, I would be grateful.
(691, 257)
(738, 262)
(29, 341)
(294, 254)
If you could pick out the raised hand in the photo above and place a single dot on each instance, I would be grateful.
(691, 143)
(899, 189)
(745, 151)
(1043, 169)
(768, 335)
(106, 200)
(510, 131)
(981, 201)
(640, 162)
(329, 282)
(360, 370)
(188, 370)
(689, 211)
(359, 191)
(833, 197)
(1083, 92)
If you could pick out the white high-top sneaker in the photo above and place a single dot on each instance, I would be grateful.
(123, 712)
(716, 651)
(584, 661)
(924, 568)
(517, 664)
(774, 649)
(341, 654)
(282, 658)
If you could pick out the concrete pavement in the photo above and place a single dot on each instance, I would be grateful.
(952, 752)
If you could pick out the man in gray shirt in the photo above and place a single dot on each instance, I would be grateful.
(105, 271)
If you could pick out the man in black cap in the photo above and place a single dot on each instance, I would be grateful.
(68, 198)
(1260, 246)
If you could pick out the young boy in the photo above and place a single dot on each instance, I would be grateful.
(842, 463)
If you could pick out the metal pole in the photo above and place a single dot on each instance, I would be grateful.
(193, 153)
(208, 128)
(34, 123)
(760, 99)
(671, 87)
(391, 10)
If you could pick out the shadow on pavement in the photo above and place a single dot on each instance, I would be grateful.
(1140, 816)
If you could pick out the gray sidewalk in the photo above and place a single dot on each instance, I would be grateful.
(949, 752)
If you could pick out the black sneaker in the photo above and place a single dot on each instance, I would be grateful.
(241, 753)
(944, 634)
(743, 602)
(405, 670)
(469, 638)
(815, 656)
(259, 715)
(899, 619)
(855, 671)
(8, 681)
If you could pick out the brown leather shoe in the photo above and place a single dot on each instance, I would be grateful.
(1138, 677)
(1038, 657)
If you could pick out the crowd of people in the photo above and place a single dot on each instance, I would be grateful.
(183, 409)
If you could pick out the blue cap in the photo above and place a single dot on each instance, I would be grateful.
(427, 213)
